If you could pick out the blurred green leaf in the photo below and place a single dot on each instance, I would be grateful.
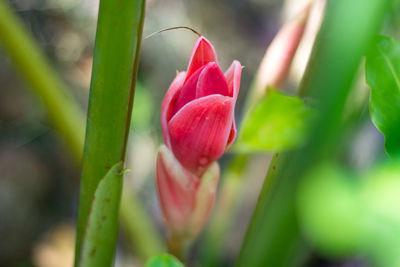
(143, 109)
(330, 210)
(164, 260)
(344, 213)
(102, 229)
(277, 122)
(383, 75)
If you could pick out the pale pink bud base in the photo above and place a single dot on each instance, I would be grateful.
(186, 200)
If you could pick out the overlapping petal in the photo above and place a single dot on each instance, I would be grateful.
(186, 200)
(205, 198)
(200, 130)
(167, 105)
(212, 81)
(176, 189)
(203, 52)
(207, 80)
(233, 75)
(188, 91)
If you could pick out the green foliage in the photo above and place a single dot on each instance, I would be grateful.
(273, 237)
(383, 75)
(277, 122)
(64, 113)
(102, 229)
(164, 260)
(143, 109)
(329, 211)
(68, 118)
(345, 214)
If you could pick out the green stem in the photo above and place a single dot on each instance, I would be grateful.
(67, 118)
(27, 57)
(225, 210)
(115, 63)
(178, 246)
(273, 237)
(141, 233)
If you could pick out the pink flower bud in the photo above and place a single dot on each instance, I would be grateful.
(275, 65)
(186, 200)
(197, 114)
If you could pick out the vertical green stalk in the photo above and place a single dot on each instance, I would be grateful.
(273, 237)
(115, 63)
(68, 118)
(38, 73)
(225, 210)
(141, 233)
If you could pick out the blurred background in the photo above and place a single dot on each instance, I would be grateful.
(39, 178)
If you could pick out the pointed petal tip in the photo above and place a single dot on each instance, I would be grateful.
(233, 76)
(212, 81)
(203, 52)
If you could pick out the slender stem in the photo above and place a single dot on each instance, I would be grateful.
(68, 118)
(141, 233)
(115, 63)
(178, 246)
(65, 115)
(273, 237)
(225, 210)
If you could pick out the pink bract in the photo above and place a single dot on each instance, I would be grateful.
(186, 200)
(197, 114)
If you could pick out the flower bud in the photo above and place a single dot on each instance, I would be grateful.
(197, 119)
(186, 200)
(197, 114)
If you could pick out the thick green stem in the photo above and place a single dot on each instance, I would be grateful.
(115, 62)
(273, 237)
(67, 118)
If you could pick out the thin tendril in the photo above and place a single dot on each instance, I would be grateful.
(172, 28)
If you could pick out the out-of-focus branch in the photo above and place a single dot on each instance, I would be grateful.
(68, 118)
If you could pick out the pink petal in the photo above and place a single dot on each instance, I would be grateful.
(275, 65)
(167, 105)
(199, 131)
(232, 76)
(207, 80)
(205, 198)
(212, 81)
(188, 91)
(177, 188)
(203, 52)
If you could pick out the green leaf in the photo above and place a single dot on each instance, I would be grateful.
(330, 210)
(273, 237)
(143, 110)
(277, 122)
(164, 260)
(383, 75)
(102, 230)
(344, 213)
